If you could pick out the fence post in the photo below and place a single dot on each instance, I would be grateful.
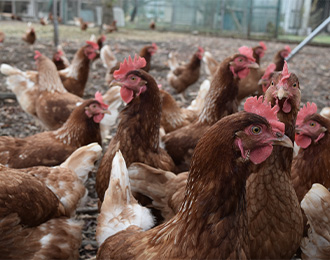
(278, 15)
(250, 19)
(223, 11)
(55, 22)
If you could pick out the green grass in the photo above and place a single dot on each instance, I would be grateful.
(321, 38)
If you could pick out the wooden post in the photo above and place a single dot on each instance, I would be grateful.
(55, 22)
(13, 7)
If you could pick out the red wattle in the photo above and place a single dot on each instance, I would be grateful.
(243, 73)
(303, 141)
(97, 118)
(261, 154)
(126, 94)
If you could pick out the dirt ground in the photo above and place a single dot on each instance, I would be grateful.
(312, 66)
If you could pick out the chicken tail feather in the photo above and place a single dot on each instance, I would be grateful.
(82, 160)
(120, 209)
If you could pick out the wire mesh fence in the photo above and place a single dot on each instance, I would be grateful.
(267, 18)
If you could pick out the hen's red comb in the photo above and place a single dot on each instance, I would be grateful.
(285, 73)
(200, 49)
(263, 108)
(287, 47)
(99, 98)
(126, 66)
(270, 69)
(248, 52)
(103, 38)
(263, 45)
(154, 45)
(37, 54)
(93, 44)
(306, 110)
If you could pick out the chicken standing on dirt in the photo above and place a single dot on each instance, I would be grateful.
(312, 163)
(53, 147)
(36, 206)
(74, 77)
(41, 94)
(220, 101)
(212, 220)
(30, 35)
(181, 77)
(138, 131)
(274, 214)
(2, 37)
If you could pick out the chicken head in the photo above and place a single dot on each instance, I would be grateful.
(129, 78)
(284, 90)
(256, 141)
(309, 126)
(242, 62)
(91, 49)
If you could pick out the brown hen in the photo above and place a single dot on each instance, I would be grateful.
(213, 210)
(312, 135)
(53, 147)
(274, 215)
(221, 100)
(138, 131)
(74, 77)
(35, 206)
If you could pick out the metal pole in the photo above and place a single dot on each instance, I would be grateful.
(55, 22)
(308, 38)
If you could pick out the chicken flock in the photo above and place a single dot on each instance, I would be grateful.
(217, 179)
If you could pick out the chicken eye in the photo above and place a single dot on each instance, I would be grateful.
(256, 130)
(240, 60)
(133, 78)
(272, 83)
(312, 124)
(294, 85)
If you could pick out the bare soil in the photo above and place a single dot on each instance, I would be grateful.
(312, 66)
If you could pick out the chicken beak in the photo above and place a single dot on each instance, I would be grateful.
(261, 81)
(281, 93)
(253, 65)
(116, 83)
(283, 140)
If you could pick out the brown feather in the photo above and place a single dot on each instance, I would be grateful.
(220, 101)
(212, 221)
(76, 85)
(174, 117)
(137, 135)
(311, 165)
(185, 75)
(274, 215)
(52, 147)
